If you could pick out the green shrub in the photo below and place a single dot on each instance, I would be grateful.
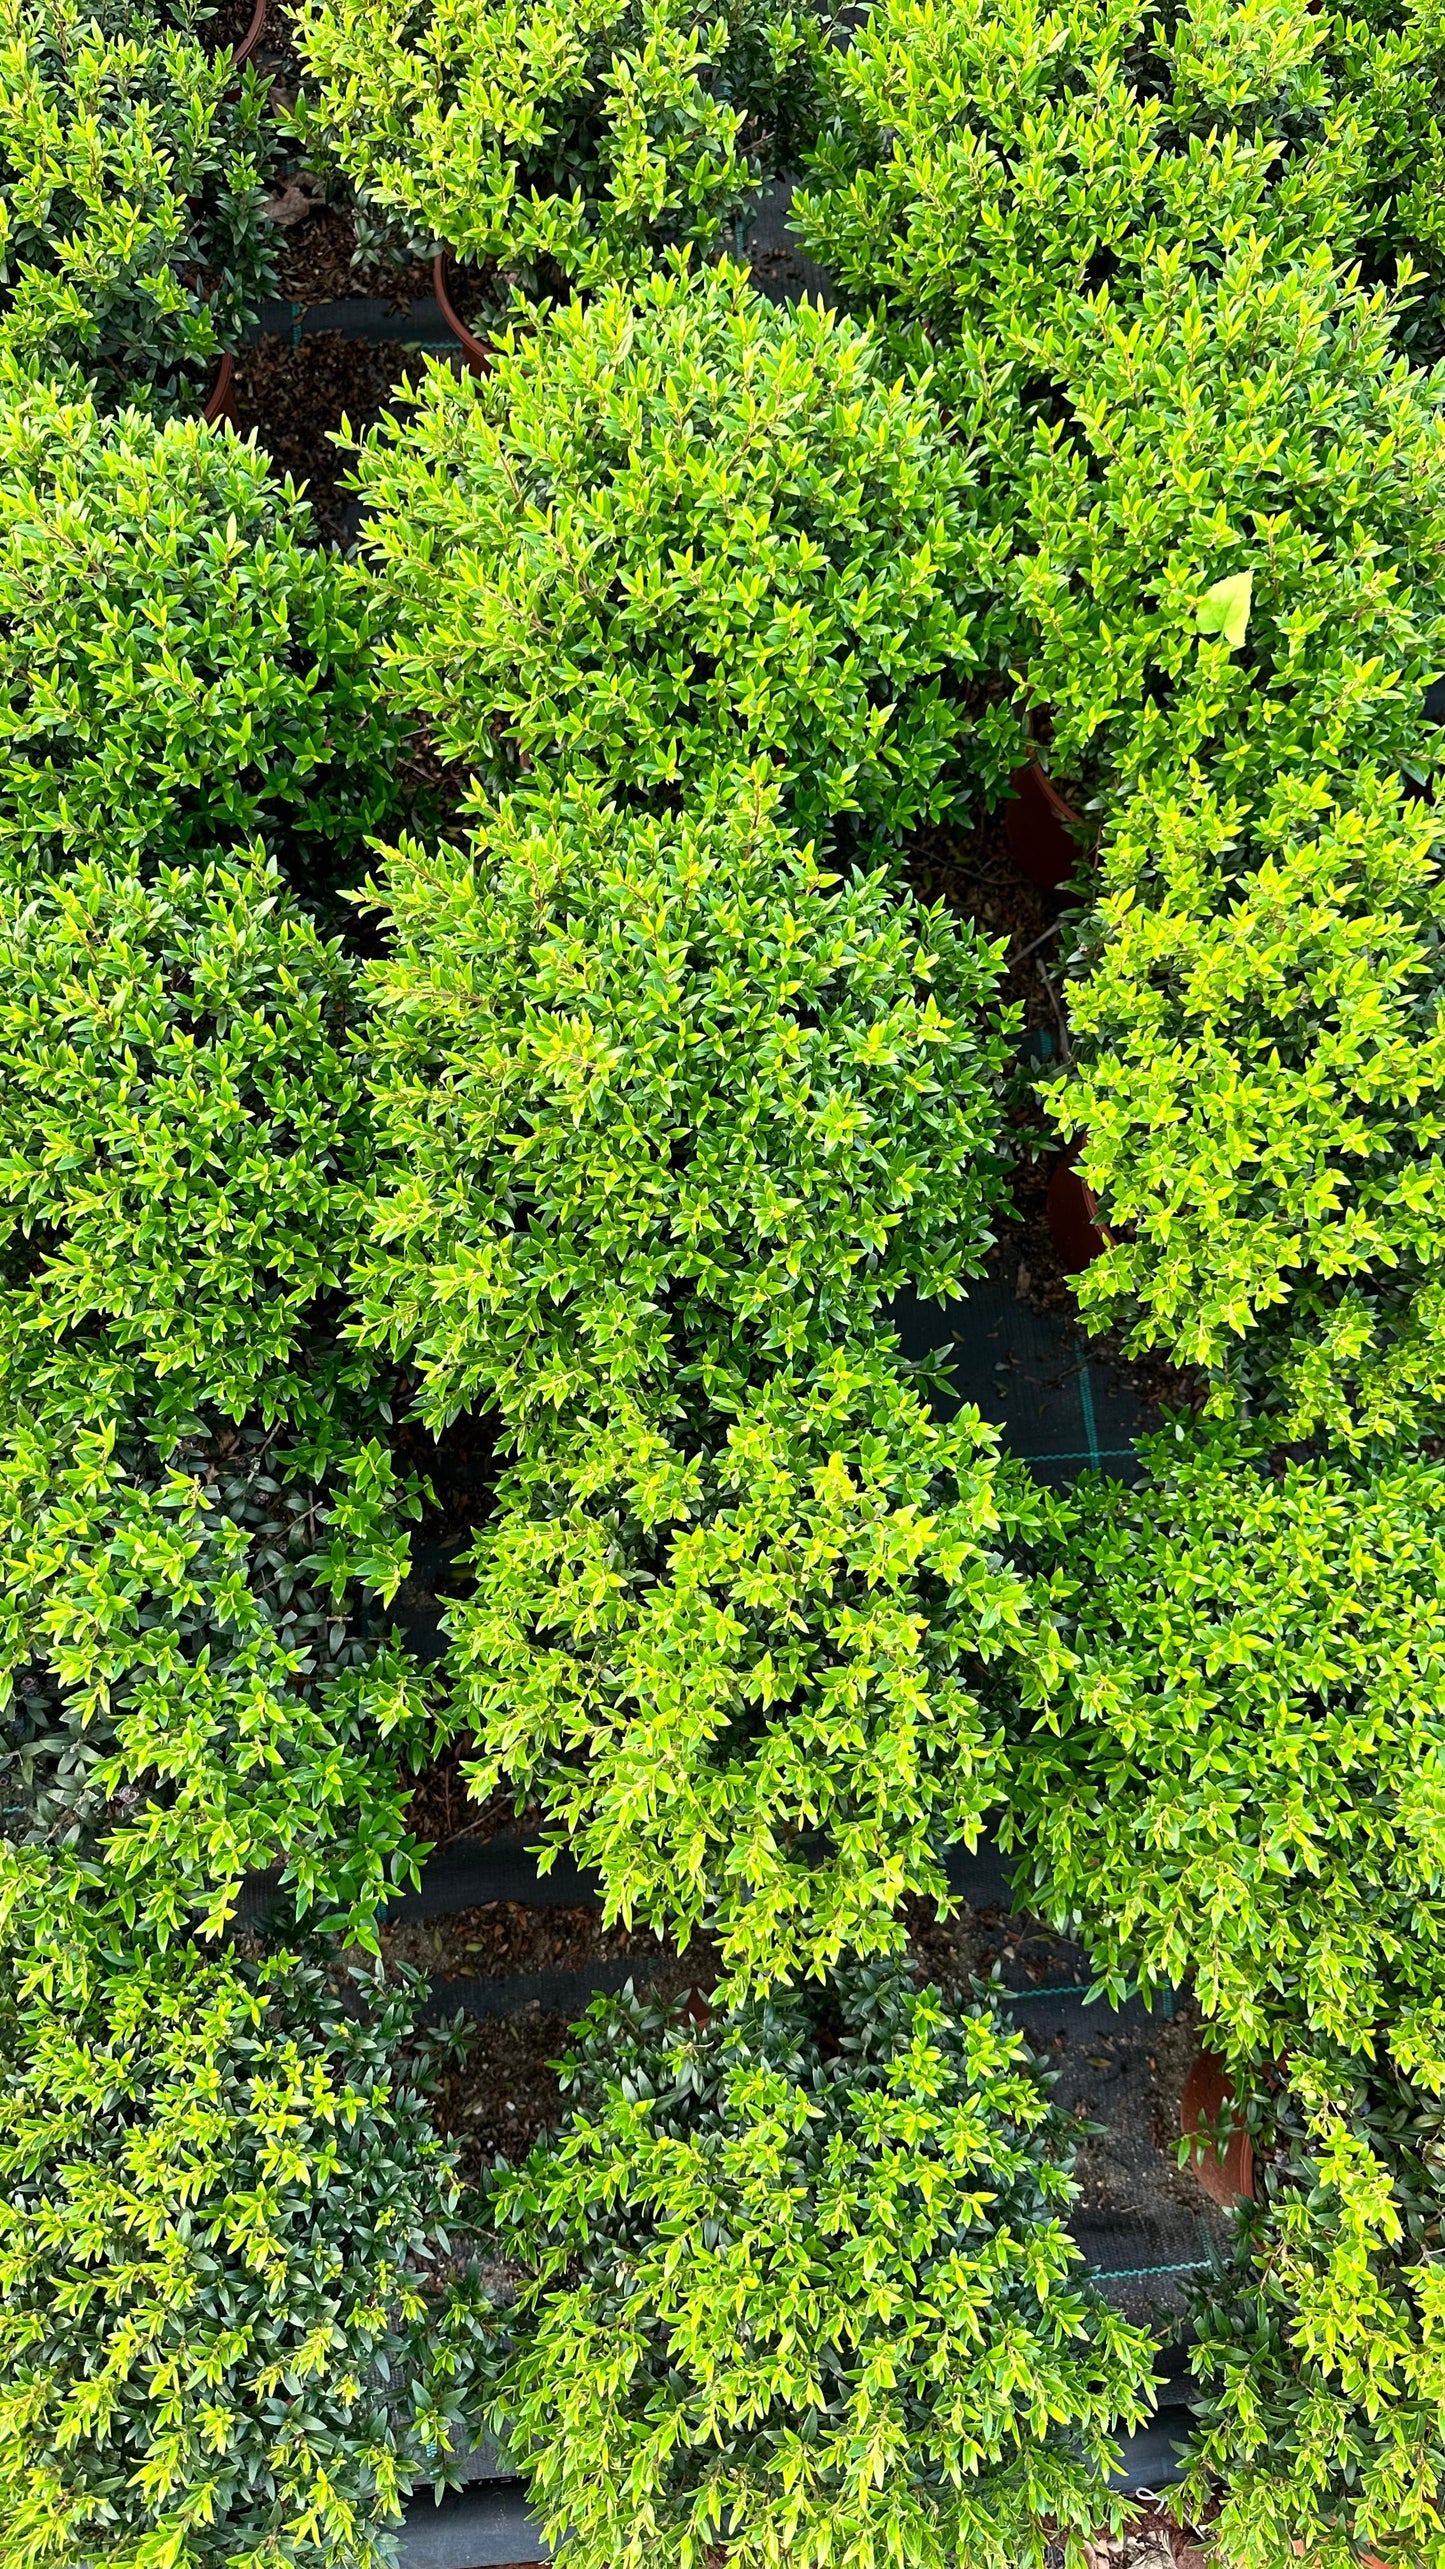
(1239, 1780)
(225, 2224)
(131, 244)
(1389, 56)
(1321, 2346)
(743, 1662)
(182, 1593)
(985, 168)
(560, 140)
(682, 525)
(1261, 427)
(179, 1126)
(177, 668)
(647, 1086)
(193, 1656)
(801, 2289)
(1261, 1081)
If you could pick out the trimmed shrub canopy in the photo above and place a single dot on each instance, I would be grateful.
(677, 527)
(801, 2277)
(1240, 1779)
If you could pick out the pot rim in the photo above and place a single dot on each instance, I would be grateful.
(220, 394)
(476, 351)
(241, 53)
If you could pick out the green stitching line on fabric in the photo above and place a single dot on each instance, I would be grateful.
(1086, 1404)
(1121, 2274)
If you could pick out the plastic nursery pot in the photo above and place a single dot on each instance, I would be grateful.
(222, 403)
(1073, 1213)
(243, 51)
(475, 350)
(1037, 826)
(1209, 2095)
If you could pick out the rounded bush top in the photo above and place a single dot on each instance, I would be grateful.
(679, 525)
(178, 667)
(643, 1084)
(561, 138)
(1242, 1777)
(803, 2273)
(178, 1121)
(222, 2206)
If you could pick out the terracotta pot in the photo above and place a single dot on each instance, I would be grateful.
(252, 36)
(222, 403)
(1208, 2094)
(1037, 824)
(1073, 1212)
(478, 354)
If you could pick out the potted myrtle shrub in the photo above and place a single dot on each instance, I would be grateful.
(632, 1076)
(226, 2228)
(978, 175)
(797, 2284)
(1319, 2340)
(560, 144)
(197, 1675)
(1258, 1082)
(131, 158)
(184, 1128)
(748, 1665)
(1237, 1781)
(679, 525)
(180, 667)
(201, 1523)
(1229, 558)
(663, 1111)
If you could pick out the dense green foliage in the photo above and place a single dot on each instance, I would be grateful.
(1256, 424)
(131, 245)
(679, 526)
(1261, 1084)
(988, 169)
(570, 139)
(743, 1661)
(649, 1095)
(179, 1121)
(1321, 2346)
(223, 2235)
(1239, 1779)
(198, 1680)
(197, 1514)
(643, 1087)
(178, 667)
(800, 2286)
(1223, 486)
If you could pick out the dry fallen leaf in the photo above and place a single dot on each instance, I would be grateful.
(292, 202)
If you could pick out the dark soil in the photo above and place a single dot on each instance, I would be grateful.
(295, 399)
(506, 1938)
(229, 25)
(441, 1808)
(317, 262)
(504, 2095)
